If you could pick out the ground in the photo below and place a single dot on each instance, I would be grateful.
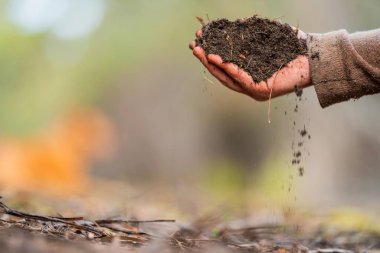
(27, 225)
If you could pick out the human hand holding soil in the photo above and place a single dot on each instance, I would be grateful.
(295, 73)
(283, 80)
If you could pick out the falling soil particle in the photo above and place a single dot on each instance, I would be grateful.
(259, 46)
(296, 161)
(301, 171)
(298, 91)
(303, 132)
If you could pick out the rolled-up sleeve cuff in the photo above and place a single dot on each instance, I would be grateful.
(328, 69)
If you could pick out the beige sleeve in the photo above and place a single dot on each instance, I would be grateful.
(344, 66)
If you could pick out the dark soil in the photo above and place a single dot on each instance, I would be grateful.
(259, 46)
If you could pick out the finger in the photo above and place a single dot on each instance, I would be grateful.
(198, 33)
(232, 70)
(216, 72)
(192, 45)
(200, 54)
(224, 78)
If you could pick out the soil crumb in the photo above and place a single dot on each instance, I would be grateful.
(303, 132)
(298, 91)
(301, 171)
(258, 45)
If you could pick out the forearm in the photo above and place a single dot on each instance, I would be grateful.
(344, 66)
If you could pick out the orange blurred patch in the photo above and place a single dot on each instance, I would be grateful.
(57, 160)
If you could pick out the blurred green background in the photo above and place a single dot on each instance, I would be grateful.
(129, 61)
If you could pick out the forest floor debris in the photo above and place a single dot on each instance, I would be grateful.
(25, 232)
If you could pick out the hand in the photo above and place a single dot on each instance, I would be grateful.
(295, 73)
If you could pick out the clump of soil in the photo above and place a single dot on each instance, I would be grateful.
(259, 46)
